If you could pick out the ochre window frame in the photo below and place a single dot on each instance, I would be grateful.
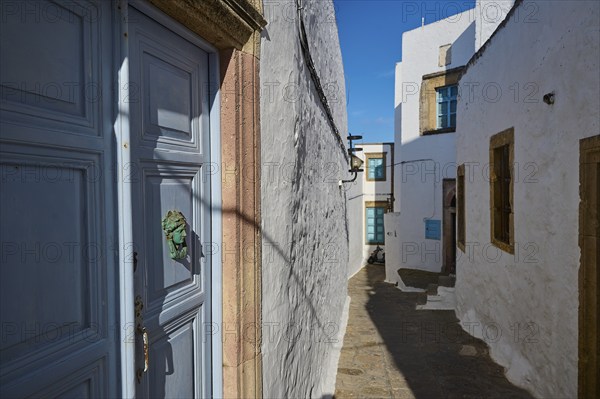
(461, 225)
(374, 204)
(375, 155)
(428, 100)
(497, 142)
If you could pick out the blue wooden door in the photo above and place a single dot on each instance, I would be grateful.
(57, 210)
(170, 154)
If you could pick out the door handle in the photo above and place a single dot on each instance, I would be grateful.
(146, 349)
(139, 305)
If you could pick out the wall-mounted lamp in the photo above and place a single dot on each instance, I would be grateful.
(355, 162)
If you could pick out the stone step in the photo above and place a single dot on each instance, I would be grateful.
(447, 281)
(432, 289)
(445, 299)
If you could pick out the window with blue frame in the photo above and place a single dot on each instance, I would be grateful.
(446, 106)
(375, 231)
(375, 166)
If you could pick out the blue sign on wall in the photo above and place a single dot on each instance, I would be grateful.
(433, 229)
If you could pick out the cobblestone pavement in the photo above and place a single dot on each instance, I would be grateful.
(392, 350)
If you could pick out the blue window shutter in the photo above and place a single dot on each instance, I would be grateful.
(433, 229)
(446, 106)
(375, 228)
(375, 168)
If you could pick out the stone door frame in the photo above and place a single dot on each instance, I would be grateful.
(449, 192)
(589, 386)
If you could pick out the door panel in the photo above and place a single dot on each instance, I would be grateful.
(170, 91)
(58, 265)
(169, 124)
(167, 189)
(169, 99)
(176, 348)
(57, 254)
(51, 72)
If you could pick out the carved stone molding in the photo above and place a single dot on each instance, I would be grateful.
(223, 23)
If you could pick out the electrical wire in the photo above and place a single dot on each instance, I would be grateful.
(316, 80)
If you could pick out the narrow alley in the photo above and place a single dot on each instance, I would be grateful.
(392, 350)
(191, 190)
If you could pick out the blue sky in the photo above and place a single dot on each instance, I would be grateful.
(371, 40)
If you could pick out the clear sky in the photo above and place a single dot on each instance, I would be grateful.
(371, 39)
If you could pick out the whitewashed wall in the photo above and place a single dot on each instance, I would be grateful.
(418, 185)
(489, 14)
(398, 94)
(356, 256)
(305, 230)
(525, 305)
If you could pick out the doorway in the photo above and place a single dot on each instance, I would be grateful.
(589, 277)
(171, 206)
(449, 226)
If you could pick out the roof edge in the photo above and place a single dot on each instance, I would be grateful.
(487, 43)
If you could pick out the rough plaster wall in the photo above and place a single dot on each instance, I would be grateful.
(354, 193)
(418, 185)
(305, 231)
(498, 293)
(489, 14)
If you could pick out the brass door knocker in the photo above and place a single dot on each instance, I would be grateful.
(174, 225)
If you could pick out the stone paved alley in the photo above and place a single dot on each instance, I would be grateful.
(392, 350)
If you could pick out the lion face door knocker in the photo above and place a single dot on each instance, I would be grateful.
(173, 225)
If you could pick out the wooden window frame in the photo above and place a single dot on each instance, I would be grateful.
(375, 155)
(502, 234)
(461, 217)
(449, 114)
(374, 204)
(428, 100)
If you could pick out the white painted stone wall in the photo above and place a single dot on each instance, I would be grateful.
(489, 14)
(398, 95)
(525, 305)
(427, 159)
(305, 228)
(393, 254)
(356, 241)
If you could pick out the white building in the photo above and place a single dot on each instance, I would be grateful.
(529, 150)
(433, 56)
(377, 192)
